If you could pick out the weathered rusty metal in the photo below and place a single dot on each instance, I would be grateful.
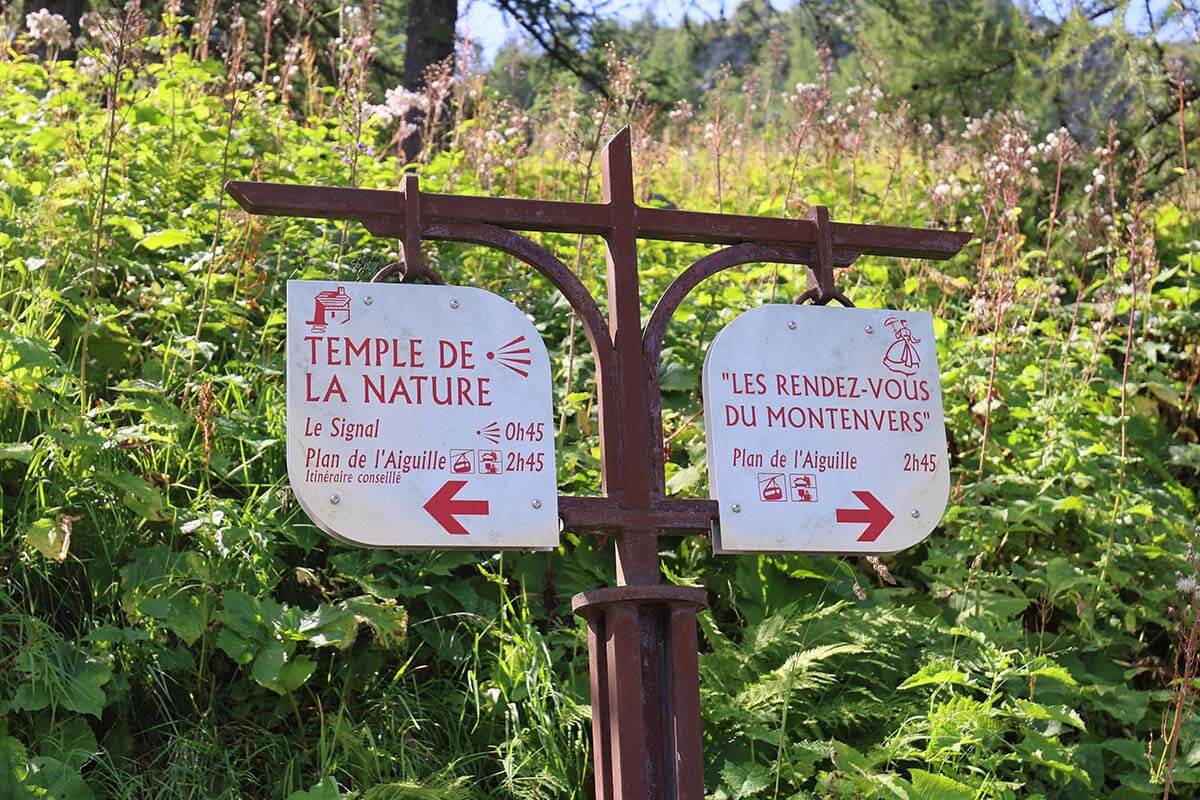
(642, 634)
(643, 659)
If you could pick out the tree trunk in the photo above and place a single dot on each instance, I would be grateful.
(430, 40)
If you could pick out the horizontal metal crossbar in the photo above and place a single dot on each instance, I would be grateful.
(383, 213)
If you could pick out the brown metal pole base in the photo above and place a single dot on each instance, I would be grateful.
(642, 649)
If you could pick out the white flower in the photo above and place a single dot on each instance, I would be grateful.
(89, 67)
(1187, 585)
(51, 30)
(397, 102)
(93, 24)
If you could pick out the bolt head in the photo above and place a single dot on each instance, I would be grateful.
(792, 325)
(735, 508)
(367, 300)
(537, 504)
(869, 329)
(335, 499)
(916, 514)
(454, 304)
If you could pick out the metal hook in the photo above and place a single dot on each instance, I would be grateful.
(817, 299)
(824, 290)
(407, 275)
(409, 267)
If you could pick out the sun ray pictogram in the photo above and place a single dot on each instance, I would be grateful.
(513, 355)
(491, 432)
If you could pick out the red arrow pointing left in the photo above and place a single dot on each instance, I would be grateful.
(444, 508)
(875, 515)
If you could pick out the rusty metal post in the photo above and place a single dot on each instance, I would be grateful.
(642, 654)
(641, 634)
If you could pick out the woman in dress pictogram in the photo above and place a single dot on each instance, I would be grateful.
(901, 355)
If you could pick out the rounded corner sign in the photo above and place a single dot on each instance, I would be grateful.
(825, 430)
(419, 416)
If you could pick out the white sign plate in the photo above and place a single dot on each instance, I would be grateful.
(825, 430)
(419, 416)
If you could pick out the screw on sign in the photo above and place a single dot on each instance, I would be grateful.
(642, 641)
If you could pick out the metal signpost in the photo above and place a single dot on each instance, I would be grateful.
(642, 633)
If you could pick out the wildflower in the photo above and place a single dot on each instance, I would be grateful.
(89, 67)
(51, 30)
(93, 24)
(1188, 584)
(397, 102)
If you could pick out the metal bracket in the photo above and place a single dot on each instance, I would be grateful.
(824, 290)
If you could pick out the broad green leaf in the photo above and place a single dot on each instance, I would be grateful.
(938, 673)
(59, 675)
(388, 620)
(684, 479)
(745, 780)
(166, 239)
(675, 377)
(50, 538)
(16, 451)
(137, 493)
(276, 669)
(1063, 714)
(930, 786)
(329, 626)
(54, 779)
(71, 741)
(1070, 503)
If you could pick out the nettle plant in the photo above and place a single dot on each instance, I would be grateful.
(172, 625)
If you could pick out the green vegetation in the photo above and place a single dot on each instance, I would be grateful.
(173, 626)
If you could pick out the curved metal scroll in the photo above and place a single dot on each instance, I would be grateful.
(690, 278)
(567, 282)
(544, 262)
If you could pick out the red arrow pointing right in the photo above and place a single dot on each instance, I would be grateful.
(443, 507)
(875, 515)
